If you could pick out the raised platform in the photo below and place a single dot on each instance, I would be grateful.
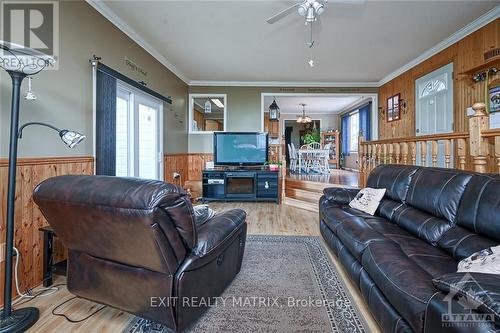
(304, 190)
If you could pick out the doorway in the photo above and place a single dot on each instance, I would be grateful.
(434, 106)
(139, 133)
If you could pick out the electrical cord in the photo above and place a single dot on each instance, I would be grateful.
(74, 321)
(29, 292)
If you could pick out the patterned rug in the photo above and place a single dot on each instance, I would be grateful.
(302, 289)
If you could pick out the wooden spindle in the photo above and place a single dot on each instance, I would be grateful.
(497, 152)
(434, 152)
(423, 153)
(447, 153)
(461, 153)
(413, 152)
(391, 152)
(478, 144)
(384, 151)
(397, 152)
(404, 150)
(377, 153)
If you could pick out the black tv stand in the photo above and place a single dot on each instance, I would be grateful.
(240, 184)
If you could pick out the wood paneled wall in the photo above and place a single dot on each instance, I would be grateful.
(466, 54)
(188, 165)
(28, 217)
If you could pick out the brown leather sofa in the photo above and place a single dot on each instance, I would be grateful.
(404, 259)
(134, 245)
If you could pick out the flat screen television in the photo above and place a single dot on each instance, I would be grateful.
(240, 148)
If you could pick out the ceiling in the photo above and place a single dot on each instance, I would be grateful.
(229, 41)
(315, 105)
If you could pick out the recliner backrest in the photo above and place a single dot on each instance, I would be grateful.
(136, 222)
(478, 218)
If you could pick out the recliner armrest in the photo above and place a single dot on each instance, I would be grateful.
(478, 290)
(216, 230)
(339, 195)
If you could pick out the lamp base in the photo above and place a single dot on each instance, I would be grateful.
(19, 320)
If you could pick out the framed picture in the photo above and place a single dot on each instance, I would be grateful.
(393, 108)
(494, 96)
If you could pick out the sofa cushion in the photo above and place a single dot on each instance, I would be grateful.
(437, 191)
(479, 290)
(421, 224)
(387, 208)
(356, 234)
(479, 209)
(340, 195)
(394, 178)
(405, 284)
(460, 242)
(334, 215)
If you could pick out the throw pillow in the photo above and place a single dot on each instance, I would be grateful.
(484, 261)
(368, 199)
(203, 213)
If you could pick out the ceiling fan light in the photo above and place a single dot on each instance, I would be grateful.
(318, 8)
(303, 9)
(310, 15)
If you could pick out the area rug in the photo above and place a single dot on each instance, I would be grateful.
(304, 293)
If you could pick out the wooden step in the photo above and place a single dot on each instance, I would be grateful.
(303, 195)
(313, 207)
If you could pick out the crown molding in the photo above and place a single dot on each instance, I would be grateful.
(477, 24)
(295, 84)
(105, 11)
(460, 34)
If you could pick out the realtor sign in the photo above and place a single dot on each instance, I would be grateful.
(32, 24)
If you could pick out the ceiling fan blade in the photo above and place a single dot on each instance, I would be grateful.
(348, 2)
(282, 14)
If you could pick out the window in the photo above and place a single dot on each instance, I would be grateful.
(139, 134)
(393, 109)
(207, 113)
(354, 131)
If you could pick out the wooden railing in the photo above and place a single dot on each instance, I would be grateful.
(475, 150)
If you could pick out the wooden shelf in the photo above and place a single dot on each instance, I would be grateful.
(333, 139)
(495, 62)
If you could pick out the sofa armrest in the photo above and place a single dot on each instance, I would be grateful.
(213, 232)
(478, 291)
(339, 195)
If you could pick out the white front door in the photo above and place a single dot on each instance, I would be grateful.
(434, 107)
(139, 135)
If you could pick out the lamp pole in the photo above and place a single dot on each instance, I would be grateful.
(21, 319)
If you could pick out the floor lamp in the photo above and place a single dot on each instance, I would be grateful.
(19, 62)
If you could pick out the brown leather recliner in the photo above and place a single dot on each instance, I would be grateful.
(133, 244)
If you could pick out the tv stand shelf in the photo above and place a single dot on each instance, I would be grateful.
(240, 184)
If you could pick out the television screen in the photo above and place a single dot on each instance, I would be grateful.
(240, 148)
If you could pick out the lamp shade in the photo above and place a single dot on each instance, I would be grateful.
(71, 138)
(20, 59)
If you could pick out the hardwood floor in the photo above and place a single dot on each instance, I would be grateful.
(263, 218)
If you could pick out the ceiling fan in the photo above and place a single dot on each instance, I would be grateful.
(310, 9)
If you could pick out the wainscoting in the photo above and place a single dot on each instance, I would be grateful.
(29, 241)
(188, 165)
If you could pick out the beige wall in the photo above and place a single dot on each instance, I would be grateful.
(244, 108)
(65, 95)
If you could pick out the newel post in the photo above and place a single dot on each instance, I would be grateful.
(361, 159)
(479, 145)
